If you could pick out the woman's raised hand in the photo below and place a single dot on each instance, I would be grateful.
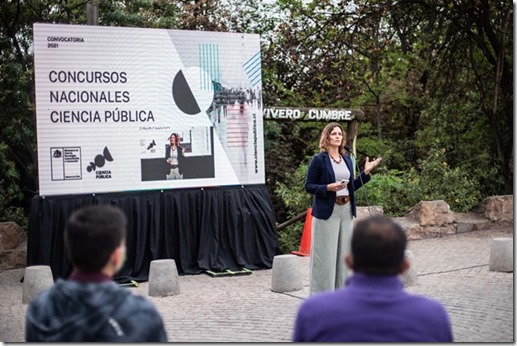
(369, 165)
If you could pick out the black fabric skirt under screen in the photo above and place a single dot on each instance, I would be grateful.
(201, 229)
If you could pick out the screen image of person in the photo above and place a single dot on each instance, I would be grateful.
(174, 156)
(330, 178)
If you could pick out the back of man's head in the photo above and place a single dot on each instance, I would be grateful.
(378, 246)
(92, 234)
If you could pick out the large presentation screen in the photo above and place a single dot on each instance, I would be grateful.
(125, 109)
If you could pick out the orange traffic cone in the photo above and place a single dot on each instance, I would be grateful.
(305, 243)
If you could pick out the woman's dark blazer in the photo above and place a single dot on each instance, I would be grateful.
(180, 156)
(319, 175)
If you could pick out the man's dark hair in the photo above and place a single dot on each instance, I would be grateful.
(92, 234)
(378, 246)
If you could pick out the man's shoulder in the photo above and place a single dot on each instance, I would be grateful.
(51, 293)
(319, 302)
(428, 308)
(345, 299)
(424, 301)
(105, 293)
(139, 301)
(135, 304)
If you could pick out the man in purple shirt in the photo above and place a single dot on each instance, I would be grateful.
(373, 306)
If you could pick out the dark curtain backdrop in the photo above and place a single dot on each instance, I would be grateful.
(201, 229)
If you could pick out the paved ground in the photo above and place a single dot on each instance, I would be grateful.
(453, 269)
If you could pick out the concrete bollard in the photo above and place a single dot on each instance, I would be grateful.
(501, 255)
(286, 276)
(410, 276)
(35, 280)
(163, 278)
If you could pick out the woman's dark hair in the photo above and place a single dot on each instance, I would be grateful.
(177, 136)
(92, 234)
(378, 246)
(325, 137)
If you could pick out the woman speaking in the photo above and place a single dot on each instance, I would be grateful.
(174, 157)
(330, 178)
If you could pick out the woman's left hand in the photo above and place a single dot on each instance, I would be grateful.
(369, 165)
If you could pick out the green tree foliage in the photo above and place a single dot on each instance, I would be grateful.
(291, 191)
(140, 13)
(469, 50)
(287, 145)
(426, 73)
(432, 179)
(11, 195)
(17, 123)
(434, 78)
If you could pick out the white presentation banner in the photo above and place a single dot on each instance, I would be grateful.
(126, 109)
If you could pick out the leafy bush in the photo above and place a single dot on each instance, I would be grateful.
(433, 179)
(398, 191)
(289, 238)
(386, 190)
(293, 195)
(437, 180)
(10, 192)
(292, 191)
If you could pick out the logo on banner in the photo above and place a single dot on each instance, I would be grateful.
(98, 162)
(151, 145)
(57, 154)
(192, 90)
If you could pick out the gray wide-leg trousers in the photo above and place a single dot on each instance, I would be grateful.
(330, 243)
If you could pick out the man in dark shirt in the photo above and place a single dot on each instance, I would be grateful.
(89, 306)
(373, 306)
